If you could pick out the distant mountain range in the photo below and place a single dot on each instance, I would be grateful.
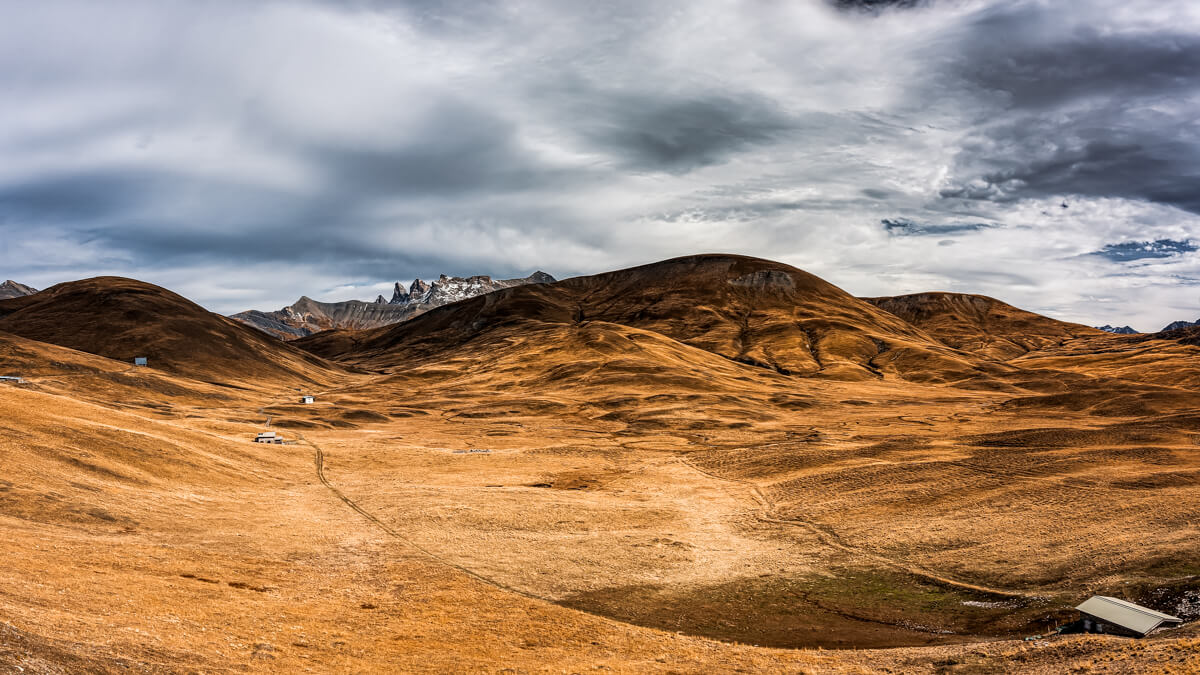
(11, 289)
(1126, 330)
(307, 316)
(1182, 324)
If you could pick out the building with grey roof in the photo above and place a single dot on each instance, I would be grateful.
(1102, 614)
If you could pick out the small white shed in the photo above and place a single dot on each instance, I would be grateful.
(268, 437)
(139, 361)
(306, 399)
(1102, 614)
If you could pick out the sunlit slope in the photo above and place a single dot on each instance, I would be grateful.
(754, 311)
(981, 325)
(124, 318)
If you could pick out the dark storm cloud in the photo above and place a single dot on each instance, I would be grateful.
(875, 193)
(80, 196)
(903, 227)
(1095, 153)
(457, 151)
(1141, 250)
(190, 219)
(164, 215)
(876, 5)
(1060, 116)
(1015, 57)
(653, 132)
(187, 218)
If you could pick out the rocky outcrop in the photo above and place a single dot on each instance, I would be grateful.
(452, 289)
(399, 295)
(12, 289)
(307, 316)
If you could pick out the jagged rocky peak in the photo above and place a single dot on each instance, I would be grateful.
(12, 289)
(418, 289)
(399, 296)
(447, 289)
(307, 316)
(1118, 330)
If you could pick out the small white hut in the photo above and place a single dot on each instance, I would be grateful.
(1102, 614)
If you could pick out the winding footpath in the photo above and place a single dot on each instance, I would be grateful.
(830, 539)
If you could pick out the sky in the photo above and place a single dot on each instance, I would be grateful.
(1045, 153)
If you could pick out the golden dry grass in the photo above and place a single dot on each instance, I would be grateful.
(645, 505)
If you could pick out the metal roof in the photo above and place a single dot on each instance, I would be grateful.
(1125, 614)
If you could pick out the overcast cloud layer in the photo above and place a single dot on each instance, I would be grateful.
(1045, 153)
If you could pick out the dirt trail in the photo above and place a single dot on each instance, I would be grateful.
(319, 460)
(832, 540)
(765, 513)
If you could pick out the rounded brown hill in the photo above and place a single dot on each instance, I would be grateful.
(755, 311)
(982, 325)
(123, 319)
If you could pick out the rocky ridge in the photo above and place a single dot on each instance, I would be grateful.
(307, 316)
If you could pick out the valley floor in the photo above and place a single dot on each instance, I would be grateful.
(939, 526)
